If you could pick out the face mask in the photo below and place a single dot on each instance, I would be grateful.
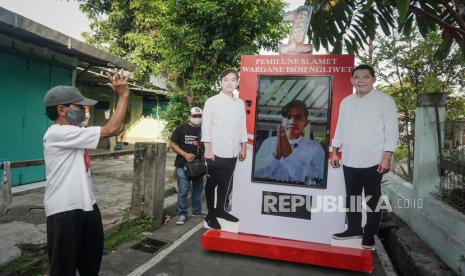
(75, 117)
(195, 121)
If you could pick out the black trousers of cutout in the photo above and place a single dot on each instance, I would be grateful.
(219, 175)
(368, 180)
(75, 241)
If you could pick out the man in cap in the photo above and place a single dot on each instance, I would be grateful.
(289, 156)
(74, 224)
(185, 141)
(224, 134)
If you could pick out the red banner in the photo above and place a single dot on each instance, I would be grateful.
(338, 66)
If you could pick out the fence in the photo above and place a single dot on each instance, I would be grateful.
(402, 161)
(452, 165)
(27, 163)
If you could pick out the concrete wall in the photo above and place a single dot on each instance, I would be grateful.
(104, 94)
(101, 94)
(439, 225)
(136, 105)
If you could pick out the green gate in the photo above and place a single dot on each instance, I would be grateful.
(23, 84)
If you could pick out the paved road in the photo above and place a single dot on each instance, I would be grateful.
(190, 259)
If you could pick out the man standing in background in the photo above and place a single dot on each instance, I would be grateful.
(185, 141)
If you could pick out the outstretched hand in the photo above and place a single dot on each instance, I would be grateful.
(119, 81)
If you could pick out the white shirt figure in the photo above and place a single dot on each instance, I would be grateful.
(305, 163)
(224, 125)
(367, 127)
(69, 182)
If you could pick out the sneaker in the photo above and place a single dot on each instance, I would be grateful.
(201, 214)
(212, 222)
(368, 242)
(348, 234)
(181, 220)
(227, 216)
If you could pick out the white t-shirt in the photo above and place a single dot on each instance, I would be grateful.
(69, 182)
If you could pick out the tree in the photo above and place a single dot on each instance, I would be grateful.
(406, 66)
(188, 42)
(353, 24)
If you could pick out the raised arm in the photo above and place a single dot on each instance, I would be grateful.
(119, 84)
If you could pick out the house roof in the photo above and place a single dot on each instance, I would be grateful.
(24, 29)
(98, 76)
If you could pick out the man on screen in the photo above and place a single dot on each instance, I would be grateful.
(289, 156)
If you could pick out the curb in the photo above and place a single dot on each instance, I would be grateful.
(388, 267)
(409, 254)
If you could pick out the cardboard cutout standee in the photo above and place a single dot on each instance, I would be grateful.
(290, 209)
(288, 200)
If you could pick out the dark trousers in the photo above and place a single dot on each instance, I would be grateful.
(368, 180)
(75, 241)
(219, 175)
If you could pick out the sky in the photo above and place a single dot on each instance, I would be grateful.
(61, 15)
(65, 16)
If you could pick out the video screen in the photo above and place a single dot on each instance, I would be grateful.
(292, 130)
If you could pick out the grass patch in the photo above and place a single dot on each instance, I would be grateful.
(26, 257)
(127, 231)
(32, 262)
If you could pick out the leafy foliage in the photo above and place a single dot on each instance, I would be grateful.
(348, 24)
(189, 42)
(456, 108)
(406, 65)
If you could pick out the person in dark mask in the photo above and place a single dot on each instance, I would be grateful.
(185, 141)
(74, 224)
